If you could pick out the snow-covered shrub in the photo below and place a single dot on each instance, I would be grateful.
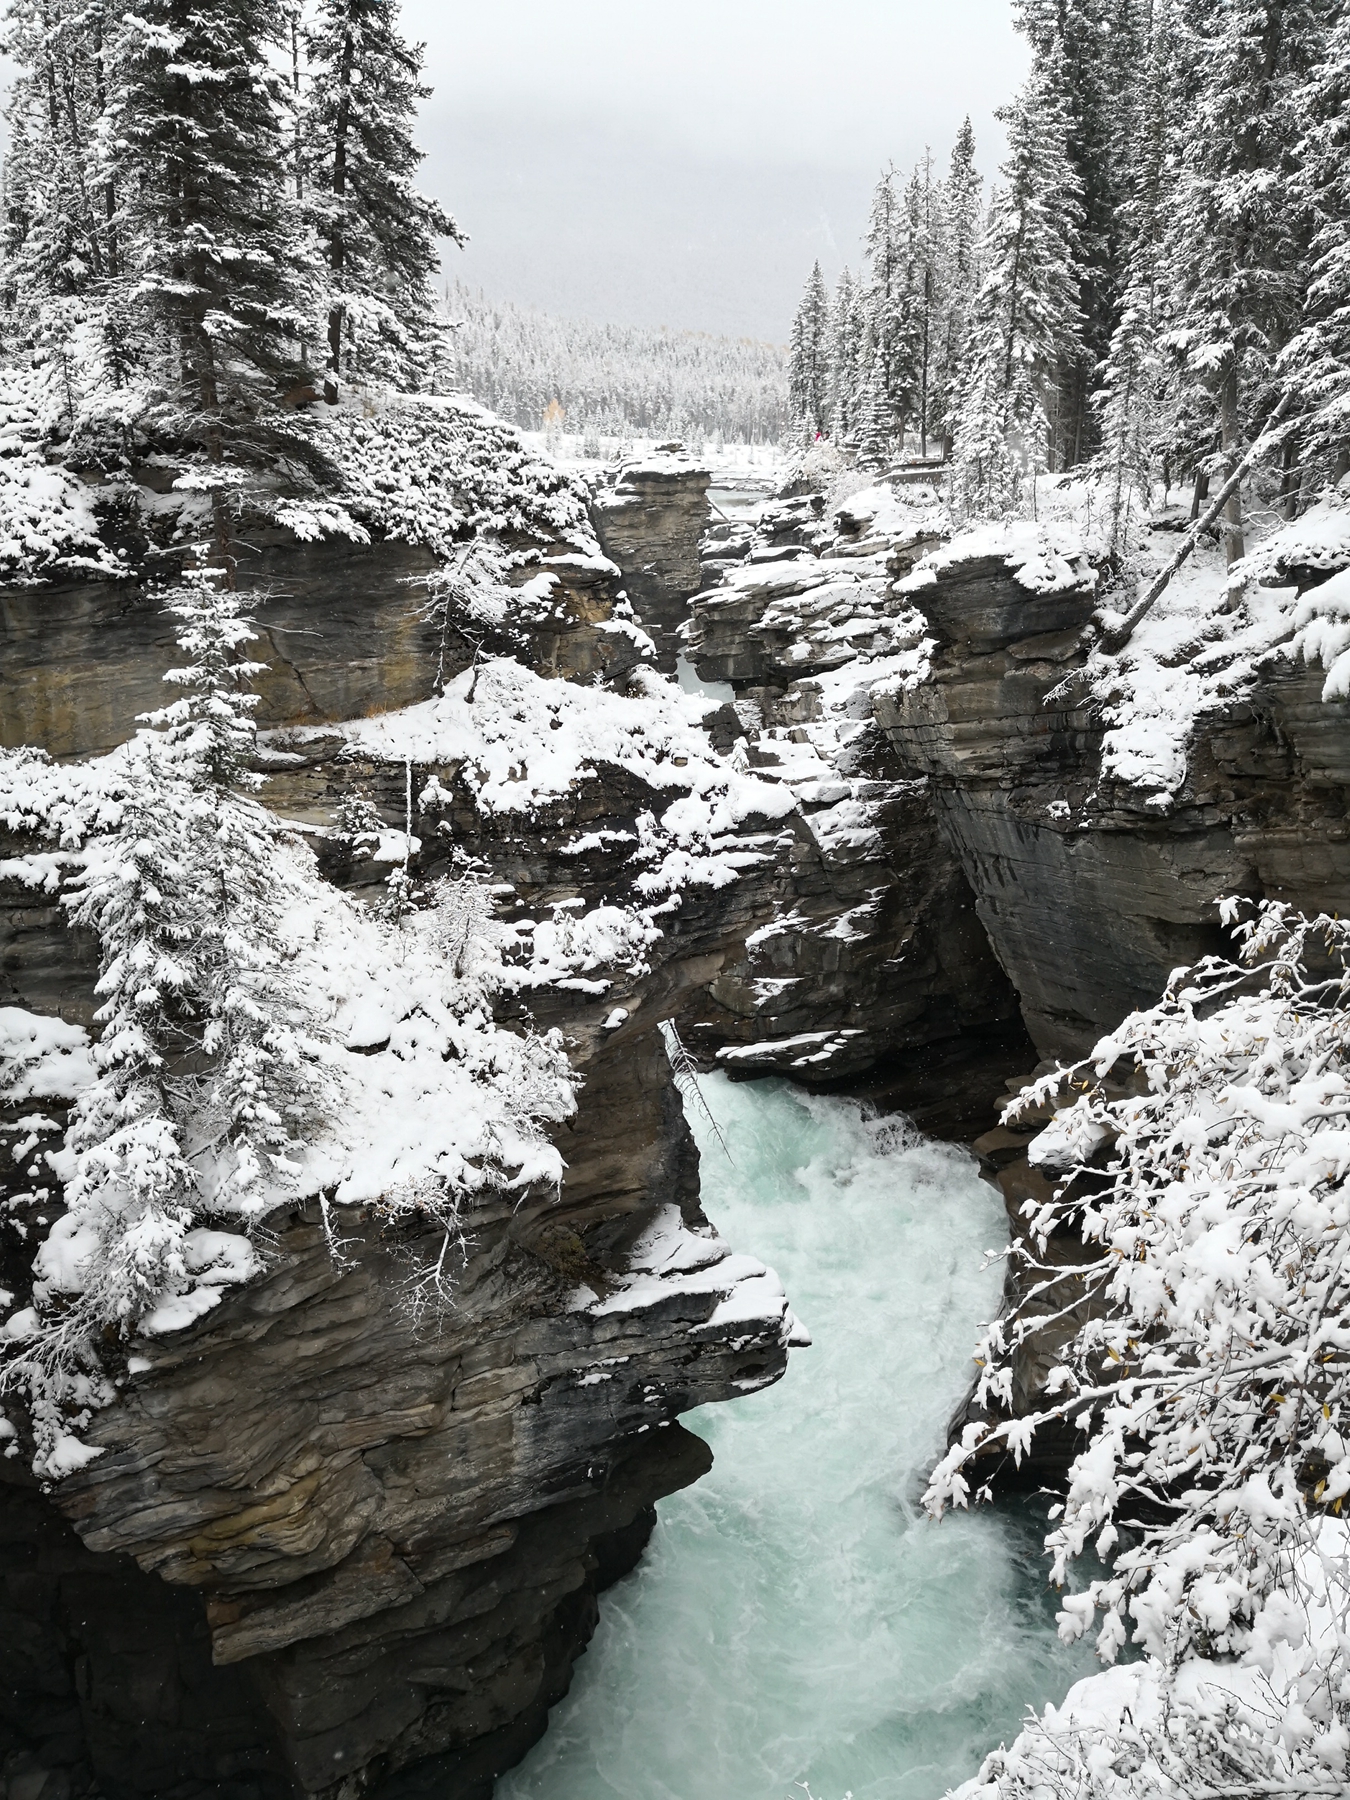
(47, 520)
(429, 471)
(468, 598)
(1203, 1165)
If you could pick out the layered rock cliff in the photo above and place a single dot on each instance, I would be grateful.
(332, 1544)
(329, 1542)
(1090, 810)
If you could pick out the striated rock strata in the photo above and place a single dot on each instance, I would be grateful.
(960, 680)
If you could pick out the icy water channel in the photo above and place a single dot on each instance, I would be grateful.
(796, 1618)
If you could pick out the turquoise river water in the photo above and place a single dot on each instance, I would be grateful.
(797, 1623)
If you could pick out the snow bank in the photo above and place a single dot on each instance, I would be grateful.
(1044, 559)
(1322, 633)
(1318, 539)
(523, 742)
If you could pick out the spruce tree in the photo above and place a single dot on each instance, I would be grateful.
(926, 288)
(61, 225)
(1134, 402)
(1097, 49)
(961, 204)
(1236, 248)
(60, 201)
(808, 358)
(378, 233)
(846, 333)
(221, 291)
(1026, 318)
(886, 360)
(1317, 359)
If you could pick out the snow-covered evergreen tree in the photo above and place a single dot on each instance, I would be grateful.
(208, 1064)
(379, 234)
(961, 203)
(847, 330)
(1026, 317)
(1134, 403)
(886, 364)
(1098, 49)
(222, 293)
(926, 292)
(1235, 248)
(63, 286)
(808, 358)
(1317, 359)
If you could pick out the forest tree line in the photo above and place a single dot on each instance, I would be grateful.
(210, 217)
(616, 381)
(1163, 262)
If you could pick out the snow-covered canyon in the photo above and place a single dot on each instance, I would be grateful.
(934, 838)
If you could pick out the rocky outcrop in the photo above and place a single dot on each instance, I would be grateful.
(362, 1543)
(875, 969)
(343, 629)
(650, 523)
(395, 1526)
(1091, 891)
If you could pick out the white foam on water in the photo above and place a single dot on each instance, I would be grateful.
(796, 1619)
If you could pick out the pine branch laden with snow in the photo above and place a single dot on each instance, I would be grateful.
(431, 471)
(1204, 1165)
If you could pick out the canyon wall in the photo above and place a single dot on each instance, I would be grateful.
(332, 1545)
(335, 1547)
(961, 678)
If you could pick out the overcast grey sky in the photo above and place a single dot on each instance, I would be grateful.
(681, 163)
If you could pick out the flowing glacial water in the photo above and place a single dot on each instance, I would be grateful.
(797, 1619)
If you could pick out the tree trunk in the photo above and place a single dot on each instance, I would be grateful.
(337, 247)
(1200, 495)
(1290, 475)
(109, 187)
(1231, 428)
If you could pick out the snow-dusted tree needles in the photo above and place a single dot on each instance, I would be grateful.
(1202, 1153)
(467, 596)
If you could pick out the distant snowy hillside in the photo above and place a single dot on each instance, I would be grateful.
(616, 381)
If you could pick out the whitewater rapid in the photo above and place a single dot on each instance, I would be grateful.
(797, 1623)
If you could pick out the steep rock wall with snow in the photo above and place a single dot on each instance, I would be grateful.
(328, 1544)
(1090, 811)
(971, 666)
(650, 523)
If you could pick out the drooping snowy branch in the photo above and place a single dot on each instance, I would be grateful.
(1203, 1155)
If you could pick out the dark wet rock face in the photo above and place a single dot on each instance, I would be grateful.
(1090, 893)
(331, 1546)
(342, 629)
(954, 687)
(650, 523)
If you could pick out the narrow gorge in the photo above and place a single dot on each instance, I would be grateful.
(315, 1537)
